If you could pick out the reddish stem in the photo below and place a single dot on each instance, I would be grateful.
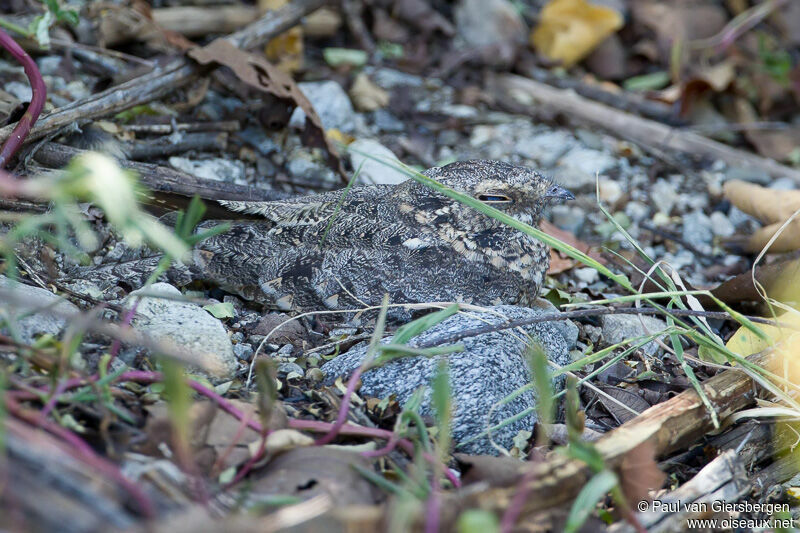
(343, 409)
(38, 96)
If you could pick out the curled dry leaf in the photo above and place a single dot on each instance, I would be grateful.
(311, 471)
(260, 74)
(771, 207)
(366, 95)
(558, 261)
(569, 30)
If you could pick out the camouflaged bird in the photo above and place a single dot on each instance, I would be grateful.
(341, 251)
(406, 240)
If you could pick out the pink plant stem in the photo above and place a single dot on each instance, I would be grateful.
(432, 508)
(39, 94)
(343, 409)
(144, 376)
(515, 507)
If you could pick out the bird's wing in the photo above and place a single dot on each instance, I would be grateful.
(308, 210)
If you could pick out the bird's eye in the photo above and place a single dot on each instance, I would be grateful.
(494, 198)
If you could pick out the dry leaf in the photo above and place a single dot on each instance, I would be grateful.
(569, 30)
(558, 261)
(366, 95)
(310, 471)
(260, 74)
(639, 473)
(771, 207)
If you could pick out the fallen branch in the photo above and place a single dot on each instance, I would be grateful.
(636, 129)
(163, 80)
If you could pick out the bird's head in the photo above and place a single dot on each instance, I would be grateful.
(520, 192)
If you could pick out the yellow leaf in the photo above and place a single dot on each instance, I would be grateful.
(285, 50)
(744, 342)
(569, 30)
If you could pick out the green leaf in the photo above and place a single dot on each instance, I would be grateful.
(345, 56)
(442, 405)
(477, 521)
(221, 310)
(597, 487)
(647, 82)
(408, 331)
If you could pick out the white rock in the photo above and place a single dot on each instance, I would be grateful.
(374, 171)
(720, 225)
(664, 196)
(610, 191)
(331, 104)
(545, 148)
(34, 311)
(186, 325)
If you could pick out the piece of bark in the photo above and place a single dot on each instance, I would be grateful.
(194, 21)
(636, 129)
(165, 146)
(173, 187)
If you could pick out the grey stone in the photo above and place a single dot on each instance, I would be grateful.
(585, 164)
(20, 91)
(568, 217)
(243, 351)
(483, 23)
(664, 196)
(215, 168)
(783, 184)
(697, 231)
(636, 211)
(289, 368)
(303, 165)
(389, 78)
(545, 148)
(33, 311)
(720, 225)
(331, 104)
(492, 366)
(618, 328)
(373, 171)
(185, 325)
(387, 122)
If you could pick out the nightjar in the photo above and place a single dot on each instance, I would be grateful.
(328, 252)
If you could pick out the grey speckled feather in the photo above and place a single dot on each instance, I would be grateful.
(407, 240)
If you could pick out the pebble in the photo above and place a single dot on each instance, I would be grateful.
(619, 328)
(331, 104)
(664, 196)
(186, 325)
(610, 191)
(568, 217)
(492, 366)
(482, 23)
(243, 351)
(637, 211)
(697, 231)
(390, 78)
(386, 122)
(721, 225)
(373, 171)
(545, 148)
(586, 275)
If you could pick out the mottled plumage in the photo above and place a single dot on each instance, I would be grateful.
(415, 244)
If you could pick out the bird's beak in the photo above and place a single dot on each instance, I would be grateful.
(556, 192)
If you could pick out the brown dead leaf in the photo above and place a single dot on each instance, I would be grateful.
(366, 95)
(772, 208)
(213, 432)
(639, 473)
(775, 144)
(315, 470)
(260, 74)
(558, 261)
(496, 471)
(675, 20)
(569, 30)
